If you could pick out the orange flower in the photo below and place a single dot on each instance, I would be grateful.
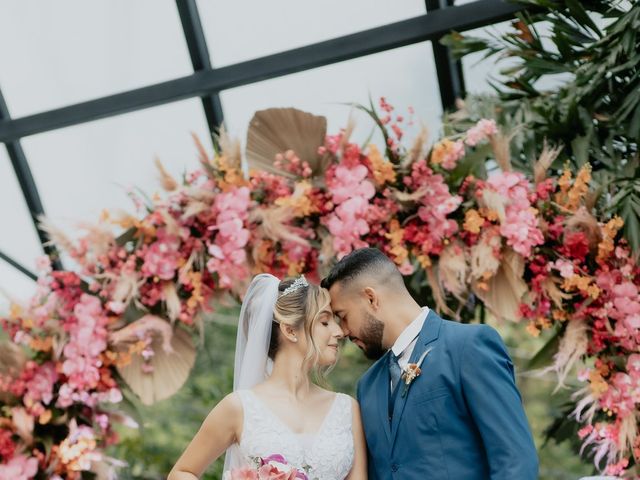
(41, 344)
(571, 194)
(597, 383)
(532, 329)
(583, 284)
(396, 234)
(564, 182)
(383, 171)
(424, 260)
(300, 201)
(233, 177)
(473, 221)
(580, 188)
(196, 295)
(45, 417)
(609, 232)
(559, 315)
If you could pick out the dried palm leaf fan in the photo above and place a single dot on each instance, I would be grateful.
(172, 362)
(506, 288)
(277, 130)
(12, 361)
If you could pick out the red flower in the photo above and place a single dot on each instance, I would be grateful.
(576, 246)
(7, 445)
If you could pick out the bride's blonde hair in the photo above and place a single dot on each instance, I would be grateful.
(300, 307)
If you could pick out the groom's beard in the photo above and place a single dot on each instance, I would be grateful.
(371, 337)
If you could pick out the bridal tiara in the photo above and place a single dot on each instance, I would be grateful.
(298, 284)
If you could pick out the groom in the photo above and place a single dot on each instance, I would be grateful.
(461, 417)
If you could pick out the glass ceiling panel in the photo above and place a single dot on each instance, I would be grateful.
(405, 76)
(14, 286)
(84, 169)
(238, 31)
(58, 53)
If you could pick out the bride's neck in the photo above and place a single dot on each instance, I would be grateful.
(288, 374)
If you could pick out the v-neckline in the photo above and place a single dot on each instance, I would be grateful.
(287, 427)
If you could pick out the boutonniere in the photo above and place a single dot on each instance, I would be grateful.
(412, 371)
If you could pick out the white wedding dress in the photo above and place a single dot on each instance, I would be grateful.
(328, 453)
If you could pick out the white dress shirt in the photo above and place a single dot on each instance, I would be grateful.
(403, 348)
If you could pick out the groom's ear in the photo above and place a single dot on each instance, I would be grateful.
(372, 297)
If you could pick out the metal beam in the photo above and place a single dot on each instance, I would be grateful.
(426, 27)
(450, 74)
(199, 53)
(18, 266)
(28, 187)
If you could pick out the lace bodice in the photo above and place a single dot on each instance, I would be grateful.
(329, 453)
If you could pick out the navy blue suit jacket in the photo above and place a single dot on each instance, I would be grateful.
(461, 419)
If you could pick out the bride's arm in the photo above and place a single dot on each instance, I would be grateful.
(219, 430)
(359, 469)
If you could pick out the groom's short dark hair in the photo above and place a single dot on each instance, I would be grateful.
(363, 261)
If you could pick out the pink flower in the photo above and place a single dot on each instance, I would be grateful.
(244, 473)
(626, 305)
(19, 468)
(351, 182)
(520, 223)
(43, 264)
(276, 457)
(623, 394)
(351, 191)
(512, 185)
(564, 267)
(40, 387)
(483, 129)
(161, 258)
(87, 341)
(633, 365)
(228, 255)
(451, 160)
(406, 268)
(437, 203)
(617, 469)
(521, 231)
(270, 472)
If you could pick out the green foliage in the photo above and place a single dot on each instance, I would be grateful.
(594, 48)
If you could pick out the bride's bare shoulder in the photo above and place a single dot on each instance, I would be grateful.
(229, 407)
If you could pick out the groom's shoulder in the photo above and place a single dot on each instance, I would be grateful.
(457, 334)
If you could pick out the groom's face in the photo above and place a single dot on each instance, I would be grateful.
(358, 320)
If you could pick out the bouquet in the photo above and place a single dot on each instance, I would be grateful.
(273, 467)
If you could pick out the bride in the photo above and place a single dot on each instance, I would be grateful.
(287, 334)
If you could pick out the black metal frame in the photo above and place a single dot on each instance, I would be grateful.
(207, 82)
(450, 74)
(200, 59)
(29, 191)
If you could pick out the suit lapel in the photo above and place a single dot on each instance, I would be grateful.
(429, 334)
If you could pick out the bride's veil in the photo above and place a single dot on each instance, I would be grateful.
(252, 364)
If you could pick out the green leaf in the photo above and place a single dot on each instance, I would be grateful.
(127, 236)
(581, 15)
(634, 126)
(630, 213)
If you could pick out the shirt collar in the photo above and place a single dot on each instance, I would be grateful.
(410, 333)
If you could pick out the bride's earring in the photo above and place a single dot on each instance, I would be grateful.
(294, 339)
